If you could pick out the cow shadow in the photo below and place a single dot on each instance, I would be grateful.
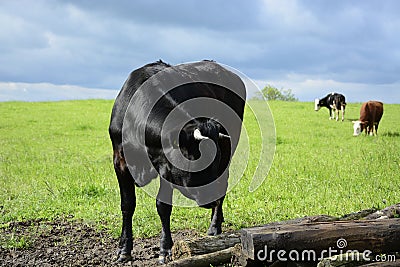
(391, 134)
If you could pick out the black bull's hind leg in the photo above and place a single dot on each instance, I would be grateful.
(128, 204)
(217, 217)
(164, 211)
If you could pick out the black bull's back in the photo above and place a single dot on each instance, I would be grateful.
(192, 93)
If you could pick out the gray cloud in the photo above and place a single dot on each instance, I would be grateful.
(96, 44)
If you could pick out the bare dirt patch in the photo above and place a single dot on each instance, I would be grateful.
(70, 243)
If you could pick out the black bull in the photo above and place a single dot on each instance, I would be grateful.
(181, 123)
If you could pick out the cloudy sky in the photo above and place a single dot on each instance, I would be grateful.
(52, 50)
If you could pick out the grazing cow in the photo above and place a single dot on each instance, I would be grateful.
(147, 144)
(370, 115)
(332, 101)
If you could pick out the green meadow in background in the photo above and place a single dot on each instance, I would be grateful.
(56, 162)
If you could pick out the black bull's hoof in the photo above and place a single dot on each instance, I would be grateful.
(213, 231)
(165, 257)
(124, 258)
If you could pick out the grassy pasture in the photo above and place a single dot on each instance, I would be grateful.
(55, 161)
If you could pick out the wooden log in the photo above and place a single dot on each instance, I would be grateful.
(359, 215)
(388, 212)
(208, 244)
(356, 259)
(348, 259)
(205, 260)
(383, 264)
(306, 219)
(378, 236)
(392, 211)
(240, 260)
(191, 247)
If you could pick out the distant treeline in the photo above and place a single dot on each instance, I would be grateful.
(272, 93)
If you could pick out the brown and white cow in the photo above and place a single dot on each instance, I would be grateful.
(370, 114)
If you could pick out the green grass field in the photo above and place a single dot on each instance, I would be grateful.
(55, 161)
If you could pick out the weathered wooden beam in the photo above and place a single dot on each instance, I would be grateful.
(208, 244)
(205, 260)
(383, 264)
(378, 236)
(392, 211)
(191, 247)
(356, 259)
(347, 259)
